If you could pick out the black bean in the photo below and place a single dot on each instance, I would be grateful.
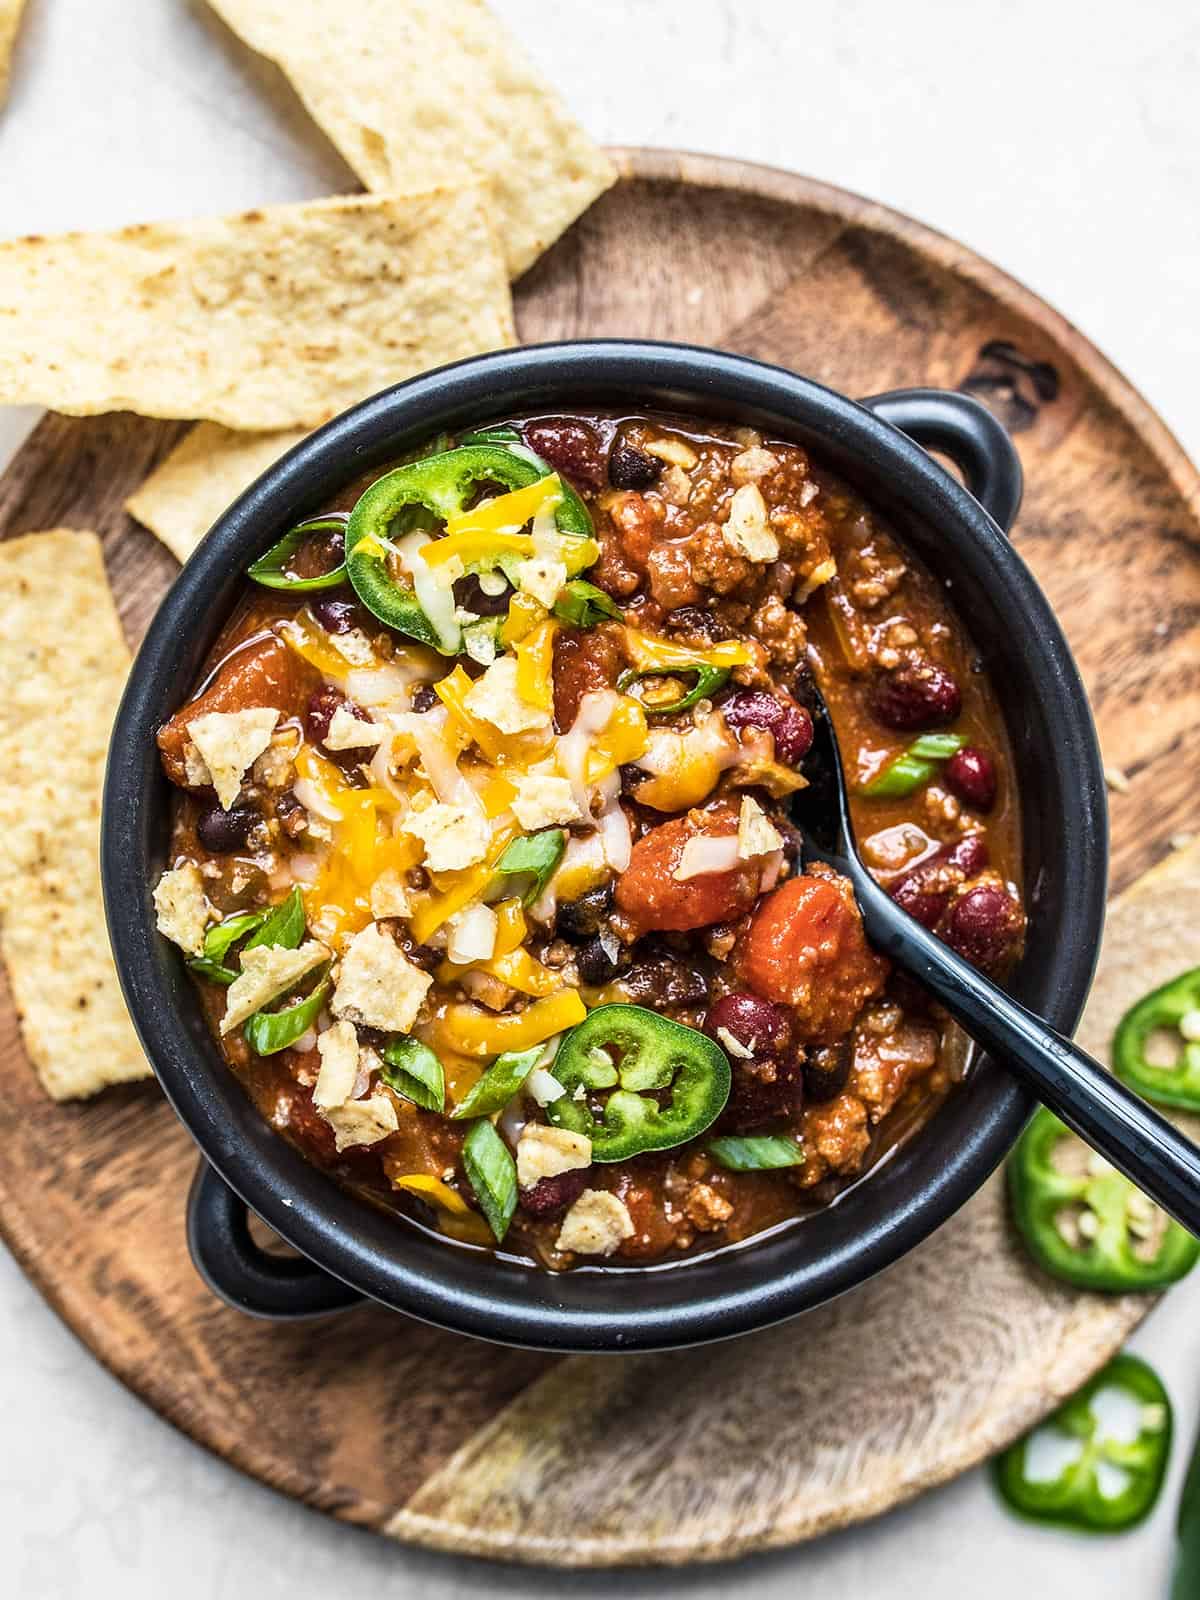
(631, 468)
(469, 595)
(579, 919)
(597, 961)
(221, 832)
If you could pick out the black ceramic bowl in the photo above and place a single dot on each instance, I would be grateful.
(353, 1250)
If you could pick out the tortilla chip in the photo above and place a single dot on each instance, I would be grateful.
(200, 478)
(1151, 935)
(63, 664)
(10, 19)
(433, 91)
(272, 319)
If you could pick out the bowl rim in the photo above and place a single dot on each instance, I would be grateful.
(499, 1299)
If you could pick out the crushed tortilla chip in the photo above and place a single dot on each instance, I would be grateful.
(63, 664)
(434, 91)
(270, 319)
(201, 478)
(10, 21)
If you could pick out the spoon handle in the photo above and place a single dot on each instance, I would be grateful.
(1110, 1117)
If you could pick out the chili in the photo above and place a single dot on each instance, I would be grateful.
(1112, 1482)
(1091, 1228)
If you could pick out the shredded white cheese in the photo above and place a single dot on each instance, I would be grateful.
(471, 934)
(229, 742)
(734, 1045)
(543, 1087)
(706, 853)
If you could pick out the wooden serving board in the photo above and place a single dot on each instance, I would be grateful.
(594, 1461)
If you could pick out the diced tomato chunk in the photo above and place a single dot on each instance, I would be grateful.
(805, 948)
(655, 900)
(265, 673)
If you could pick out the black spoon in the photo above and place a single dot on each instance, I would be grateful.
(1111, 1118)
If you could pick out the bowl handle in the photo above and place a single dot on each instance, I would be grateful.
(940, 419)
(250, 1279)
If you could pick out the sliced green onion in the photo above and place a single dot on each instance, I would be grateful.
(271, 1031)
(212, 970)
(283, 926)
(492, 1173)
(708, 681)
(535, 855)
(499, 1083)
(919, 763)
(223, 934)
(756, 1153)
(503, 435)
(271, 570)
(582, 605)
(412, 1070)
(936, 746)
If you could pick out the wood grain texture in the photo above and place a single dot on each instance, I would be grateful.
(910, 1379)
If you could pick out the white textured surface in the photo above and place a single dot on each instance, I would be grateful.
(1063, 141)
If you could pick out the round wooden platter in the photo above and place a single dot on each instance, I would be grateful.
(450, 1443)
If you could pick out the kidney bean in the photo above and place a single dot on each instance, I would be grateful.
(549, 1197)
(424, 697)
(768, 1089)
(222, 832)
(971, 774)
(925, 891)
(767, 1086)
(827, 1070)
(570, 447)
(322, 704)
(916, 697)
(337, 615)
(790, 724)
(985, 926)
(631, 468)
(923, 902)
(758, 1025)
(968, 854)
